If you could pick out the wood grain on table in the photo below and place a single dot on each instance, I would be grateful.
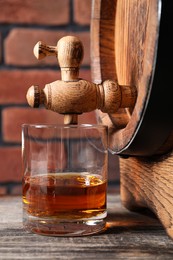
(128, 236)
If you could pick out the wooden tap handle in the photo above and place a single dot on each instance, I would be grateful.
(69, 52)
(41, 50)
(35, 96)
(72, 96)
(70, 55)
(76, 97)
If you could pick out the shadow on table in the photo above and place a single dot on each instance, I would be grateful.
(118, 222)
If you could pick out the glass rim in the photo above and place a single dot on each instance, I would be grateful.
(63, 126)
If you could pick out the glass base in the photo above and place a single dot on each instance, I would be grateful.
(56, 227)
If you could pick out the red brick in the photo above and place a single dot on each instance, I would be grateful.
(82, 12)
(3, 190)
(15, 83)
(10, 164)
(20, 42)
(52, 12)
(13, 118)
(0, 48)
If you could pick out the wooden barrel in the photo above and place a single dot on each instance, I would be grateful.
(131, 42)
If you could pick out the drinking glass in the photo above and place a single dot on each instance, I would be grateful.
(64, 179)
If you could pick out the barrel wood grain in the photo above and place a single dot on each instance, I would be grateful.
(133, 28)
(148, 183)
(125, 37)
(117, 55)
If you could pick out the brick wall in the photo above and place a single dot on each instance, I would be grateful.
(22, 25)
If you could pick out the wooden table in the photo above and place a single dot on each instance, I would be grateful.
(128, 236)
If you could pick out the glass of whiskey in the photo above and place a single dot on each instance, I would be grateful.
(64, 179)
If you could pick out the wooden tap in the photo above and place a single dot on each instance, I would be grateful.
(72, 96)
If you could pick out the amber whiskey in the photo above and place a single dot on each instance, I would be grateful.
(65, 195)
